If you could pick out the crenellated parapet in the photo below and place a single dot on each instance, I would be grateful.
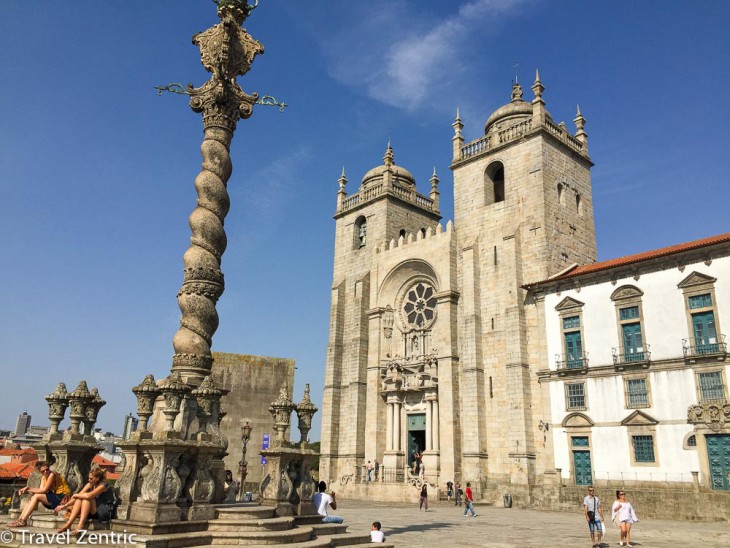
(428, 235)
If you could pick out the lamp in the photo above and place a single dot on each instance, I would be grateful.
(243, 465)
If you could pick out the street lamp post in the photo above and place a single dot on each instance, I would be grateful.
(243, 465)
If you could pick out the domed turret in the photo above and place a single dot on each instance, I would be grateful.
(515, 111)
(400, 176)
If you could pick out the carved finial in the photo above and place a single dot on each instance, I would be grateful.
(434, 178)
(458, 126)
(342, 180)
(579, 120)
(458, 116)
(537, 87)
(516, 92)
(389, 158)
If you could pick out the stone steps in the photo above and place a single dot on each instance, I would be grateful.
(53, 522)
(268, 524)
(244, 511)
(217, 538)
(322, 529)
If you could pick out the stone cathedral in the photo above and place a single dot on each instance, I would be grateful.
(433, 343)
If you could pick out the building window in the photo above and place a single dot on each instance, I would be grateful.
(575, 397)
(627, 300)
(419, 306)
(692, 441)
(571, 324)
(704, 330)
(579, 205)
(361, 232)
(637, 393)
(573, 342)
(711, 386)
(494, 184)
(643, 448)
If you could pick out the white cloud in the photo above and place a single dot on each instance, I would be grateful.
(402, 59)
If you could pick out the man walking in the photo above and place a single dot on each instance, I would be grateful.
(469, 501)
(322, 500)
(592, 510)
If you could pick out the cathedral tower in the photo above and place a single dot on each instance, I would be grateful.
(523, 209)
(386, 208)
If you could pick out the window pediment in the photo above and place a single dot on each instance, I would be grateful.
(696, 279)
(639, 418)
(626, 292)
(569, 303)
(577, 420)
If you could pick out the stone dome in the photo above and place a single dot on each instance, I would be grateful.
(515, 111)
(401, 176)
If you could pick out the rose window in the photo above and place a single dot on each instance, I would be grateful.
(419, 305)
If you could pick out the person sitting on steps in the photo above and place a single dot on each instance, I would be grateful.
(95, 501)
(52, 491)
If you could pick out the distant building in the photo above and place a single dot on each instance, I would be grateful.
(37, 431)
(22, 424)
(130, 425)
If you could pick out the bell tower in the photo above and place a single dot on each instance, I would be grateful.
(385, 208)
(524, 211)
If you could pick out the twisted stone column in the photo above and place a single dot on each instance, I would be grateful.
(226, 51)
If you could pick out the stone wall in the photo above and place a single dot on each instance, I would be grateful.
(253, 382)
(649, 502)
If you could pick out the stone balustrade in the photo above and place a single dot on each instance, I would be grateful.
(370, 193)
(516, 131)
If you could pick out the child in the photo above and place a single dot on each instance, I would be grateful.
(376, 535)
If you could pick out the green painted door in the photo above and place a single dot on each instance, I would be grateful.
(633, 343)
(718, 453)
(705, 332)
(581, 461)
(573, 350)
(416, 435)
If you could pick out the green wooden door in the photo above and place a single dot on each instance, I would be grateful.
(705, 332)
(573, 350)
(633, 343)
(718, 453)
(581, 461)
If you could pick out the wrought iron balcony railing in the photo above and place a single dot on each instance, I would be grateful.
(628, 358)
(572, 363)
(691, 349)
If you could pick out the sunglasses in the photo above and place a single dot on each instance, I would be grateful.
(622, 494)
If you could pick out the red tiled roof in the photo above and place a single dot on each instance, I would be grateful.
(13, 470)
(636, 258)
(16, 452)
(102, 462)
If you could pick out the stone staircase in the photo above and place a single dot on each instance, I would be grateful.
(242, 524)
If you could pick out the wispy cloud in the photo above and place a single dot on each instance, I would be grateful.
(409, 57)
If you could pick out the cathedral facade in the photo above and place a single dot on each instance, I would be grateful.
(434, 341)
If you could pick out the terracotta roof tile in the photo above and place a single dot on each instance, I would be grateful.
(13, 470)
(16, 452)
(101, 461)
(636, 258)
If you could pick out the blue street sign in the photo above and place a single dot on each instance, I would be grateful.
(265, 445)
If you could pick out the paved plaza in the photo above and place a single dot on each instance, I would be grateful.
(496, 527)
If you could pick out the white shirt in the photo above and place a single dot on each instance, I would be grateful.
(321, 501)
(377, 536)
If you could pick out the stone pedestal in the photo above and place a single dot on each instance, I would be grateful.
(166, 480)
(431, 464)
(71, 456)
(288, 483)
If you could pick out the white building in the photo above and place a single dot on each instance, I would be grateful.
(637, 366)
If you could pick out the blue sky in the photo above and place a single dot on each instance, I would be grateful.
(96, 170)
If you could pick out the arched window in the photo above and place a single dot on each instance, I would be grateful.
(561, 194)
(579, 205)
(361, 232)
(494, 183)
(423, 232)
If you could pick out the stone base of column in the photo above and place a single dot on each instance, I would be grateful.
(431, 462)
(287, 484)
